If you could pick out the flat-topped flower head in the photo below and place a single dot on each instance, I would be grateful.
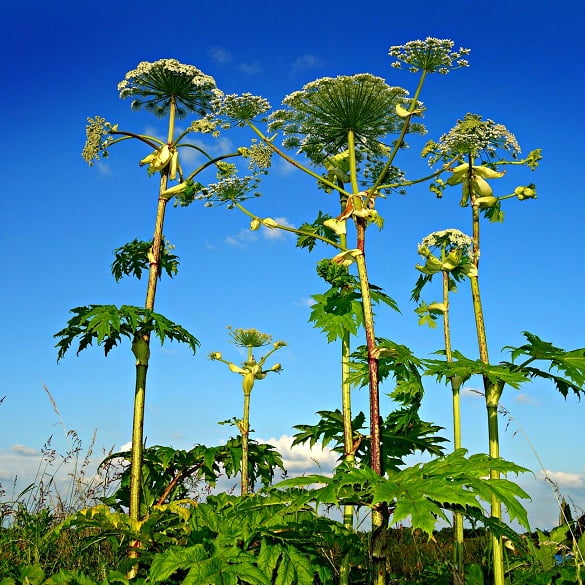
(249, 337)
(473, 136)
(449, 251)
(431, 55)
(241, 108)
(154, 85)
(448, 240)
(317, 119)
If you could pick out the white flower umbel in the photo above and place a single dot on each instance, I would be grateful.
(154, 85)
(431, 55)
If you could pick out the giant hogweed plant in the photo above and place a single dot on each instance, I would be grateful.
(484, 150)
(251, 371)
(340, 125)
(448, 253)
(170, 90)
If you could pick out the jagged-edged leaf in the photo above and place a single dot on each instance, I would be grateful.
(132, 259)
(570, 364)
(174, 558)
(337, 313)
(328, 429)
(317, 228)
(107, 324)
(465, 368)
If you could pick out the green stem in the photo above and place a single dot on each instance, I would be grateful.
(440, 171)
(296, 163)
(380, 511)
(287, 228)
(398, 143)
(137, 440)
(348, 447)
(492, 390)
(456, 403)
(245, 430)
(142, 363)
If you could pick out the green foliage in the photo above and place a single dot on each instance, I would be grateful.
(257, 540)
(133, 258)
(465, 368)
(263, 460)
(569, 363)
(106, 324)
(339, 310)
(308, 240)
(168, 474)
(394, 360)
(423, 492)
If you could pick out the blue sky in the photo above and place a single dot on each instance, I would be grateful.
(62, 220)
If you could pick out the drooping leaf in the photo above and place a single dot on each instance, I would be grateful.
(107, 324)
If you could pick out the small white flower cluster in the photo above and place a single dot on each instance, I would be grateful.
(98, 133)
(242, 107)
(172, 66)
(431, 55)
(474, 135)
(259, 156)
(449, 239)
(205, 125)
(230, 190)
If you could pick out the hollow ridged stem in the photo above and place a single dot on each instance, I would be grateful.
(245, 430)
(455, 387)
(492, 390)
(142, 364)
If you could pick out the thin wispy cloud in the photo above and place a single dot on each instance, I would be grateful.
(246, 237)
(306, 302)
(526, 399)
(252, 68)
(220, 55)
(242, 239)
(275, 233)
(306, 62)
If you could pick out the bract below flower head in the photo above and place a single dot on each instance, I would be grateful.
(249, 337)
(473, 136)
(431, 55)
(318, 118)
(154, 86)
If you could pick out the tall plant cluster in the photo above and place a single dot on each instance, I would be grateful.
(347, 133)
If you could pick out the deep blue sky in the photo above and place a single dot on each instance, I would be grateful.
(62, 219)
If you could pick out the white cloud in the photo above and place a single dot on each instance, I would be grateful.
(525, 399)
(302, 459)
(275, 233)
(242, 238)
(252, 68)
(307, 61)
(216, 147)
(563, 479)
(306, 302)
(246, 236)
(23, 450)
(220, 55)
